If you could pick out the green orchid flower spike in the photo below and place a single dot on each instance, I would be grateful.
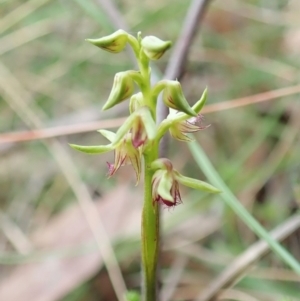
(136, 142)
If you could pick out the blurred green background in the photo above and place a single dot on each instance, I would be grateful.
(52, 81)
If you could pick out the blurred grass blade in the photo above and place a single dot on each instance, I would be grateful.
(229, 198)
(97, 14)
(19, 13)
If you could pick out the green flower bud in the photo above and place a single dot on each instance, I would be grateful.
(114, 43)
(197, 107)
(136, 101)
(123, 88)
(154, 47)
(173, 98)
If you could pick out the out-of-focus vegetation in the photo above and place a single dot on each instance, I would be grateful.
(50, 80)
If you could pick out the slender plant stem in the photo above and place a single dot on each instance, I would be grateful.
(150, 213)
(150, 231)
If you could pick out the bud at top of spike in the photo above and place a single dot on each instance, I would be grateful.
(123, 88)
(154, 47)
(173, 97)
(114, 43)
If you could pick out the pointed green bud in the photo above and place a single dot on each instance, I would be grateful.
(197, 107)
(173, 97)
(148, 122)
(123, 88)
(114, 43)
(154, 47)
(196, 184)
(98, 149)
(136, 101)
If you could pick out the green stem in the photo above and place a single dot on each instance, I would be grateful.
(150, 231)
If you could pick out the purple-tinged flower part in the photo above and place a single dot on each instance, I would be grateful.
(143, 127)
(126, 153)
(165, 187)
(139, 135)
(165, 183)
(178, 130)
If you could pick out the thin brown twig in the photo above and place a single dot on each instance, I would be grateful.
(242, 263)
(179, 55)
(111, 123)
(16, 96)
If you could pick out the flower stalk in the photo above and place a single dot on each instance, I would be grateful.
(137, 140)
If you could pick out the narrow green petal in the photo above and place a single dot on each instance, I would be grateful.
(96, 149)
(109, 135)
(197, 107)
(149, 124)
(124, 128)
(196, 184)
(135, 160)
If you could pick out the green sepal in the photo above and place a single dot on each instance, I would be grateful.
(154, 47)
(134, 156)
(173, 97)
(165, 184)
(123, 88)
(149, 124)
(158, 87)
(197, 107)
(96, 149)
(136, 101)
(196, 184)
(124, 128)
(109, 135)
(142, 113)
(177, 134)
(162, 163)
(114, 42)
